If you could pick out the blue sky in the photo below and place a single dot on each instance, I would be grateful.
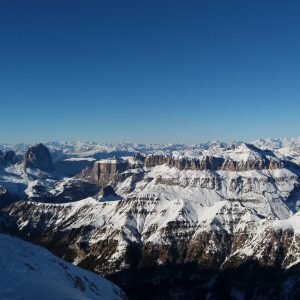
(149, 71)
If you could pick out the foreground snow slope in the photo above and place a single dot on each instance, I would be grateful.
(31, 272)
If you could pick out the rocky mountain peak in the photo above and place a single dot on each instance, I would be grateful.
(38, 157)
(252, 148)
(8, 157)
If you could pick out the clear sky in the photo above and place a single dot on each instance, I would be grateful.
(149, 71)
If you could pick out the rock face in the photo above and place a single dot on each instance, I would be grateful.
(206, 163)
(6, 197)
(8, 157)
(105, 170)
(108, 191)
(38, 157)
(212, 163)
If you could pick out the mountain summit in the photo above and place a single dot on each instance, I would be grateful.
(38, 157)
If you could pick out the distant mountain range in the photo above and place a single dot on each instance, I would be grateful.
(80, 146)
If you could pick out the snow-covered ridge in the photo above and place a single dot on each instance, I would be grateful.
(31, 272)
(153, 220)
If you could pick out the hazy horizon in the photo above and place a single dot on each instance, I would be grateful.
(153, 143)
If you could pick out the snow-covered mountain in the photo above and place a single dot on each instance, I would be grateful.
(31, 272)
(214, 220)
(70, 158)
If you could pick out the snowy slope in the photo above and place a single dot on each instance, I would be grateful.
(31, 272)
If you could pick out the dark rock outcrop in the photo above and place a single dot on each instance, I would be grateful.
(6, 198)
(8, 157)
(108, 191)
(38, 157)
